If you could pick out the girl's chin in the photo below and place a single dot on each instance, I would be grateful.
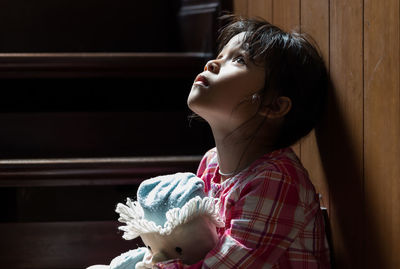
(192, 106)
(193, 100)
(195, 107)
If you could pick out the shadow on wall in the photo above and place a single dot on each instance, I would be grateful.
(342, 160)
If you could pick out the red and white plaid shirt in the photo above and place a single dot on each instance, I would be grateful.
(272, 213)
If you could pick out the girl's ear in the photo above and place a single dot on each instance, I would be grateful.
(278, 109)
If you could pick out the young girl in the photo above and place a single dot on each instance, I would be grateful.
(263, 93)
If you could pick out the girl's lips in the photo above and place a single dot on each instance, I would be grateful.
(201, 80)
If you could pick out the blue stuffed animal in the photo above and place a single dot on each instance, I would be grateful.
(174, 219)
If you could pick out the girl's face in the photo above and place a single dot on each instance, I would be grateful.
(222, 94)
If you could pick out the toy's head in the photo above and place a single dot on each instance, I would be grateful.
(173, 217)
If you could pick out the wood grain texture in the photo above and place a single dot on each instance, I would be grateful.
(261, 8)
(382, 132)
(353, 157)
(342, 140)
(240, 7)
(286, 14)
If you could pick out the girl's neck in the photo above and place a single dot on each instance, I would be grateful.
(236, 151)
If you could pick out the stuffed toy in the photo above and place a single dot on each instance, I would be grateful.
(174, 219)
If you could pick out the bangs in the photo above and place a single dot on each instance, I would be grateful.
(260, 40)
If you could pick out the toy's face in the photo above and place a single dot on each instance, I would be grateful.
(189, 242)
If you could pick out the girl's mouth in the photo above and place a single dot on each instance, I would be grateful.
(201, 80)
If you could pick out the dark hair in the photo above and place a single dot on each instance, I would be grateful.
(293, 67)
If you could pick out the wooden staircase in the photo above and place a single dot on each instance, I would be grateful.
(83, 125)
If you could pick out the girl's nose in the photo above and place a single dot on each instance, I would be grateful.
(212, 66)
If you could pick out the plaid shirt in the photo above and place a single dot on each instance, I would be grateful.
(272, 213)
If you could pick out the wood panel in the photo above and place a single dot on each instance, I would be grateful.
(287, 18)
(342, 140)
(241, 7)
(261, 8)
(382, 132)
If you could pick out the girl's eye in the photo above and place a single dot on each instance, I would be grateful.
(239, 60)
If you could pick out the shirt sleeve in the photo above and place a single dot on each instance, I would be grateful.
(264, 221)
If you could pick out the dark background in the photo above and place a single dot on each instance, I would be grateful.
(87, 89)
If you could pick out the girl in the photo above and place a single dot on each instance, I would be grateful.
(263, 93)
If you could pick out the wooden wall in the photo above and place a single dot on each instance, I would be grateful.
(353, 157)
